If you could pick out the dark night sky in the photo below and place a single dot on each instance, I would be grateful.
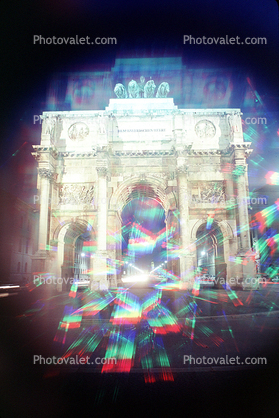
(141, 28)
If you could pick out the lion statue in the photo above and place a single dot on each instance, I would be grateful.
(149, 89)
(120, 91)
(133, 90)
(163, 90)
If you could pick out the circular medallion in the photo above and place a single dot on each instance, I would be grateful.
(205, 129)
(78, 131)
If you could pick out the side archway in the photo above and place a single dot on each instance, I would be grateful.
(70, 238)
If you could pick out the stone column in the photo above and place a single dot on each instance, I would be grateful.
(186, 264)
(167, 222)
(247, 268)
(39, 260)
(100, 259)
(46, 176)
(242, 208)
(113, 244)
(102, 209)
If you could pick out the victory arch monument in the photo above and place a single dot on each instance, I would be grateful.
(91, 164)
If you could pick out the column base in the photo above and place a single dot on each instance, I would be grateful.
(99, 281)
(245, 273)
(187, 272)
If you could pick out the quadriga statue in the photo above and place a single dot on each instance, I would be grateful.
(120, 91)
(133, 90)
(149, 89)
(163, 90)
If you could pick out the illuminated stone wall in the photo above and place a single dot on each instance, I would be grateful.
(91, 163)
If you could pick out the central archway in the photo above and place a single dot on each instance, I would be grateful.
(146, 197)
(144, 233)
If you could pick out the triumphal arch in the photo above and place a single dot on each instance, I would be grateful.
(91, 164)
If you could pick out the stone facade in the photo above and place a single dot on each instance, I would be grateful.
(18, 222)
(193, 162)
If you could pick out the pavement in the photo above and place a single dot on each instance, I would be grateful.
(152, 334)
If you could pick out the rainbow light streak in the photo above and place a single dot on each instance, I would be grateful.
(89, 246)
(121, 346)
(145, 349)
(196, 287)
(238, 171)
(229, 328)
(273, 244)
(136, 329)
(163, 361)
(186, 309)
(68, 322)
(272, 271)
(141, 240)
(209, 221)
(96, 304)
(162, 321)
(192, 321)
(114, 237)
(267, 216)
(227, 168)
(233, 296)
(86, 343)
(73, 290)
(127, 309)
(151, 300)
(272, 178)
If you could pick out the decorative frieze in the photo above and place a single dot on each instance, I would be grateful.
(205, 129)
(41, 150)
(78, 131)
(144, 153)
(76, 194)
(211, 192)
(78, 155)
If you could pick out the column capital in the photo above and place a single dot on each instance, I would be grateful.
(102, 171)
(47, 174)
(183, 169)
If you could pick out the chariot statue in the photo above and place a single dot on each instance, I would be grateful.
(139, 90)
